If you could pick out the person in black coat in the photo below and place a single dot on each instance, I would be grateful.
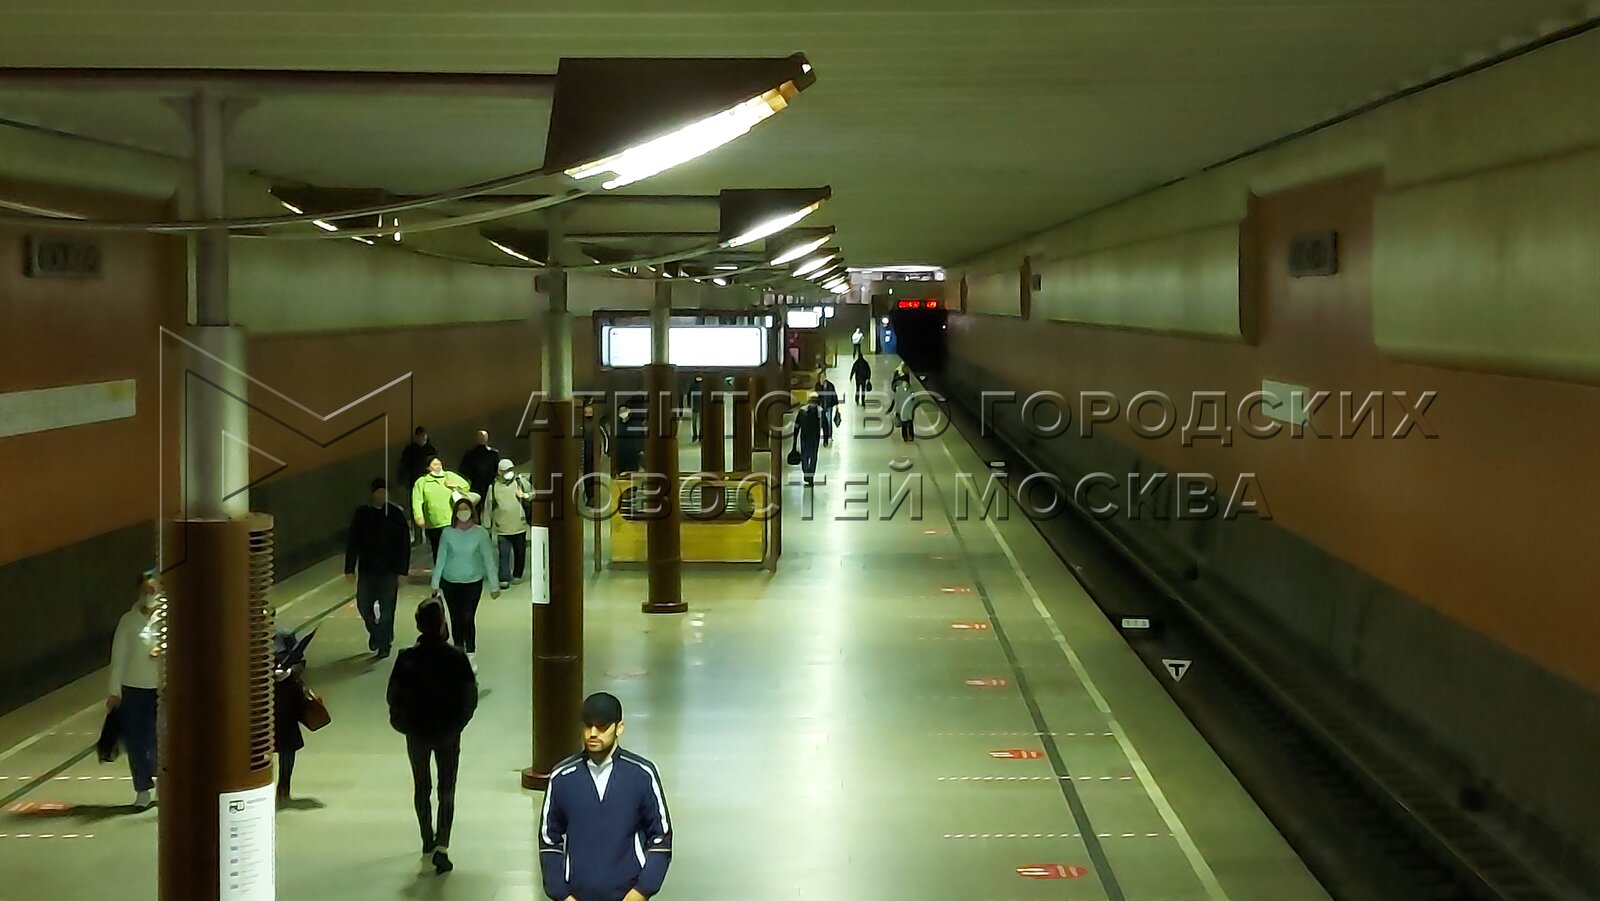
(414, 460)
(808, 435)
(379, 543)
(432, 696)
(861, 374)
(479, 467)
(288, 708)
(828, 401)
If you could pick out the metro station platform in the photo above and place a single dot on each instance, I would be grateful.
(911, 707)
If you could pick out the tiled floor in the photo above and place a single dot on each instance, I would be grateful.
(826, 732)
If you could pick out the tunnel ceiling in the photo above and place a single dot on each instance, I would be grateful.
(945, 127)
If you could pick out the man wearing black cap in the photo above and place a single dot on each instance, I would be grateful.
(379, 542)
(604, 832)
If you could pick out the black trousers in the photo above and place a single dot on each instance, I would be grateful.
(461, 598)
(433, 541)
(423, 753)
(285, 774)
(907, 429)
(861, 392)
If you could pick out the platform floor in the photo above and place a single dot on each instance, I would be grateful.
(828, 732)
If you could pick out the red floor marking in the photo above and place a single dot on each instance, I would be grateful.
(1051, 871)
(978, 627)
(1017, 754)
(988, 683)
(34, 808)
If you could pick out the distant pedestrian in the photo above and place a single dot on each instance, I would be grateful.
(466, 560)
(135, 677)
(631, 431)
(432, 696)
(861, 374)
(508, 525)
(288, 708)
(904, 408)
(433, 500)
(479, 465)
(696, 404)
(377, 553)
(855, 341)
(604, 832)
(828, 403)
(414, 462)
(808, 435)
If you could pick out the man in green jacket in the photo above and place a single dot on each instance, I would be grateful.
(433, 500)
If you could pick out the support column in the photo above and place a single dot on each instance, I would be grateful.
(713, 436)
(557, 459)
(744, 423)
(663, 531)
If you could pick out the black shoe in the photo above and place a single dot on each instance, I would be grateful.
(441, 862)
(380, 654)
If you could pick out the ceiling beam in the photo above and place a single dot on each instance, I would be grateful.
(266, 82)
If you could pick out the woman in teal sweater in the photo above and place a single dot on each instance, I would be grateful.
(466, 558)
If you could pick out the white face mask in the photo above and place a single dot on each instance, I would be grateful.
(463, 515)
(509, 474)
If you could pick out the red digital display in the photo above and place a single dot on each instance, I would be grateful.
(910, 304)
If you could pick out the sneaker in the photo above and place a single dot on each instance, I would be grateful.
(441, 861)
(380, 654)
(505, 586)
(472, 661)
(144, 800)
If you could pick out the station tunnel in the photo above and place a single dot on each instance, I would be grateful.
(1044, 451)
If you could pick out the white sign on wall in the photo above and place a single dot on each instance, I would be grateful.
(43, 409)
(693, 346)
(247, 854)
(539, 563)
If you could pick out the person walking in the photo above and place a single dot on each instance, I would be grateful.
(904, 409)
(377, 552)
(414, 461)
(480, 465)
(861, 374)
(855, 341)
(808, 435)
(466, 559)
(288, 708)
(605, 833)
(433, 498)
(432, 696)
(508, 524)
(828, 402)
(135, 677)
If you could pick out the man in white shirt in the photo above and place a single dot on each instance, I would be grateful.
(135, 676)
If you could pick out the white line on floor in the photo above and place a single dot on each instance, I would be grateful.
(1197, 861)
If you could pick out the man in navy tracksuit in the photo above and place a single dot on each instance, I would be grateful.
(604, 832)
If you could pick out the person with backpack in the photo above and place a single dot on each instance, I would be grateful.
(432, 697)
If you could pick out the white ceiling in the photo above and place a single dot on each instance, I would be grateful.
(945, 127)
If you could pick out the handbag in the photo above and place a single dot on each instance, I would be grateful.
(869, 384)
(110, 742)
(793, 459)
(314, 713)
(837, 417)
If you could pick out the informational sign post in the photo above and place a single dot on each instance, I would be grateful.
(539, 563)
(245, 822)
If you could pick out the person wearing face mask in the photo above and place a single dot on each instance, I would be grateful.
(134, 678)
(466, 559)
(509, 524)
(433, 498)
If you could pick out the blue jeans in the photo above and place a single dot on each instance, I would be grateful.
(375, 599)
(808, 458)
(513, 556)
(137, 717)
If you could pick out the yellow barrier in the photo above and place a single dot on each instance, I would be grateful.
(738, 535)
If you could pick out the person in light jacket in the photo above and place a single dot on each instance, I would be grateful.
(904, 409)
(508, 524)
(432, 696)
(466, 559)
(433, 498)
(134, 679)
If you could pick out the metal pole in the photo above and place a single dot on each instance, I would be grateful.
(664, 528)
(744, 424)
(558, 625)
(713, 439)
(215, 426)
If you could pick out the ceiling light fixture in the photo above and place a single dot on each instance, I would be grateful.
(812, 265)
(773, 226)
(509, 252)
(801, 249)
